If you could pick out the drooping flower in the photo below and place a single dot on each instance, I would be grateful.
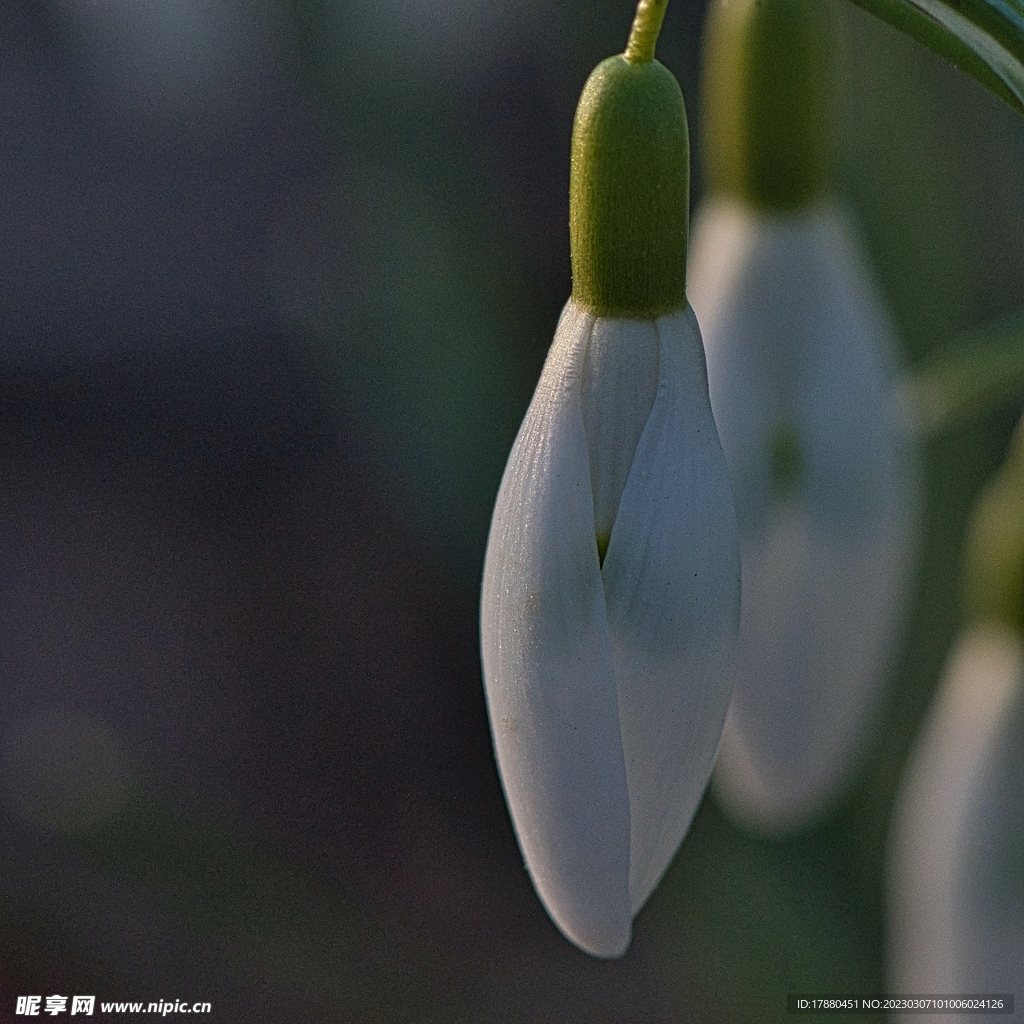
(611, 582)
(801, 362)
(956, 856)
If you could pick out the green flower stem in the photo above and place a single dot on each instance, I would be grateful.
(644, 34)
(984, 38)
(629, 187)
(770, 94)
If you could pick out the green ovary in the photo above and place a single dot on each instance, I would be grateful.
(785, 461)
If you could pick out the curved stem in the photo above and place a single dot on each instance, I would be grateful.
(643, 36)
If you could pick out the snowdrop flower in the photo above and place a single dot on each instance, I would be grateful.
(956, 902)
(801, 373)
(610, 595)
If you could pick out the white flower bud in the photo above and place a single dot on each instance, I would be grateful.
(608, 615)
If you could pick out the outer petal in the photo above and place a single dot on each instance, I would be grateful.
(956, 888)
(672, 577)
(547, 664)
(797, 345)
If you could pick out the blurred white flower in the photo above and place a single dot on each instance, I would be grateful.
(609, 614)
(956, 853)
(800, 368)
(956, 863)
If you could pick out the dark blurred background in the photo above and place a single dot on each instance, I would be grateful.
(276, 282)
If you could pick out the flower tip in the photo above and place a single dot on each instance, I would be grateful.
(606, 938)
(760, 802)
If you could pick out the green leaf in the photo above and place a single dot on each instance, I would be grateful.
(984, 38)
(971, 376)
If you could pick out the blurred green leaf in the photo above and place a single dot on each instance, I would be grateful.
(984, 38)
(973, 375)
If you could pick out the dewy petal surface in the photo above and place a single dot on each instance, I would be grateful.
(547, 658)
(671, 576)
(799, 350)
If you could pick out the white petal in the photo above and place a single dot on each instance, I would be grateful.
(672, 575)
(956, 906)
(547, 664)
(620, 383)
(798, 347)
